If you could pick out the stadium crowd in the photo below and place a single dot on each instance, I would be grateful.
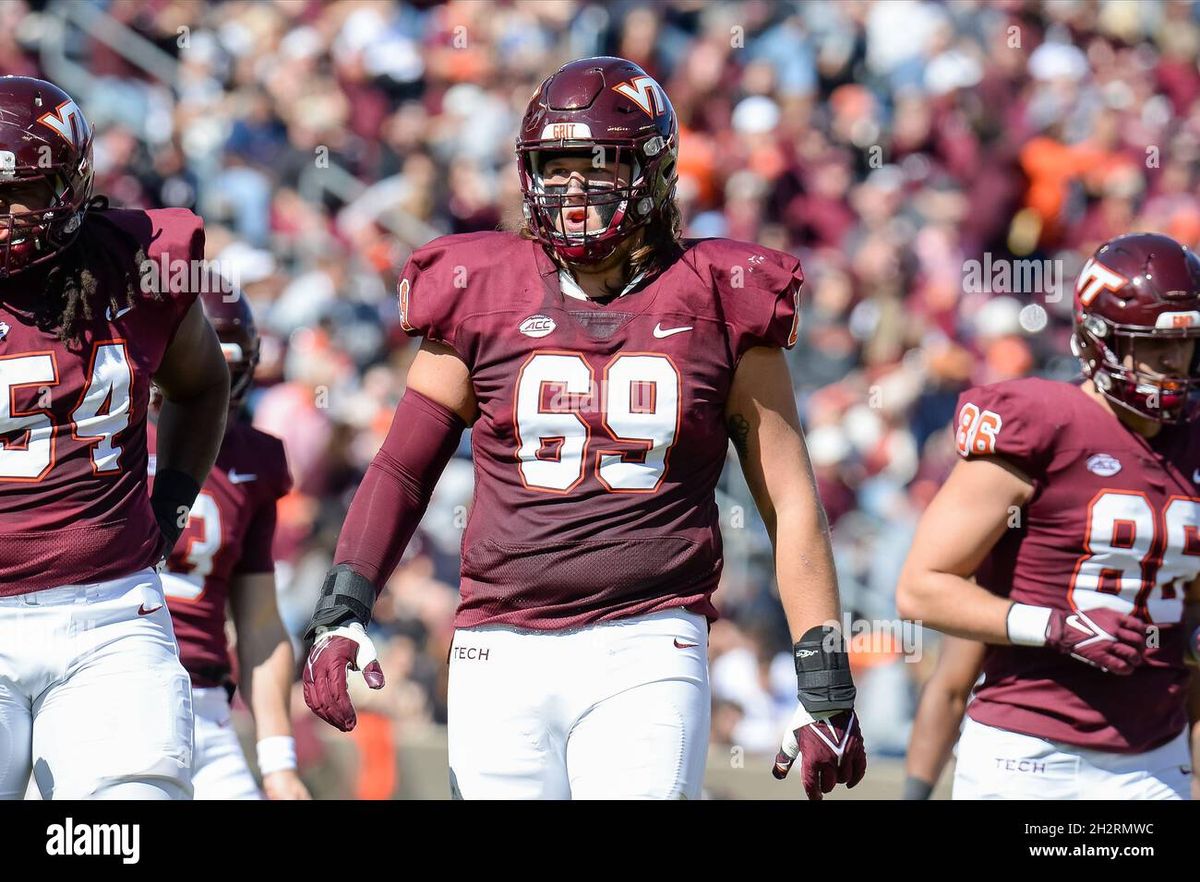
(941, 169)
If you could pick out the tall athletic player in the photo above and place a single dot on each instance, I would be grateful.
(224, 557)
(93, 698)
(604, 366)
(1077, 509)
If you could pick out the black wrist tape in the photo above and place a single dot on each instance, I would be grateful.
(172, 498)
(346, 597)
(823, 670)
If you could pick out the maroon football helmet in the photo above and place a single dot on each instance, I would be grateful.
(228, 311)
(592, 105)
(1138, 286)
(45, 158)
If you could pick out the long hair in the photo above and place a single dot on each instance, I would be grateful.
(660, 244)
(69, 293)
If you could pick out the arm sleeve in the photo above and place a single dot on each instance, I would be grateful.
(394, 493)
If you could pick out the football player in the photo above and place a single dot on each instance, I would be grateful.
(1076, 506)
(93, 698)
(224, 555)
(604, 365)
(939, 714)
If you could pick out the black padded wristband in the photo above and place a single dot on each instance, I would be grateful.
(823, 671)
(346, 597)
(174, 493)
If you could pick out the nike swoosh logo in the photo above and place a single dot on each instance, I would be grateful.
(235, 478)
(108, 313)
(142, 611)
(679, 645)
(660, 332)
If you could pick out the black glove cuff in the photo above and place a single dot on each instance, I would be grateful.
(346, 597)
(915, 788)
(823, 671)
(174, 493)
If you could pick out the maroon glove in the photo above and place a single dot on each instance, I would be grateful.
(831, 751)
(324, 678)
(1102, 638)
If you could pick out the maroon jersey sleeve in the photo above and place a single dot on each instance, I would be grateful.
(1006, 420)
(439, 284)
(759, 293)
(173, 241)
(179, 235)
(260, 533)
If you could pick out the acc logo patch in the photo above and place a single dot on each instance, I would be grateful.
(537, 326)
(1103, 465)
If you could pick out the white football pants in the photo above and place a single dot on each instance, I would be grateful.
(220, 770)
(998, 764)
(93, 698)
(616, 710)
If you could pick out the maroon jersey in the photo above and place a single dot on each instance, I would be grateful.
(601, 433)
(1114, 521)
(229, 533)
(73, 502)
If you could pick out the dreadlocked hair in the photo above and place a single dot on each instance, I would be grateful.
(69, 296)
(660, 243)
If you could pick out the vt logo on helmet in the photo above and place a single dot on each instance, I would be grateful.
(596, 155)
(45, 171)
(1136, 293)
